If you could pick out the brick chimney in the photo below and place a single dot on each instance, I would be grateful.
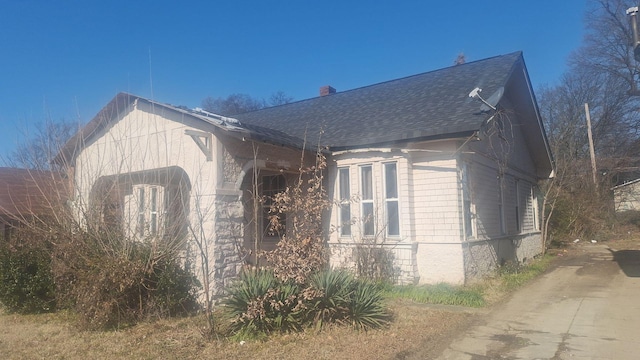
(327, 90)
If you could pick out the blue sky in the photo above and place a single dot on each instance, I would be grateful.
(67, 59)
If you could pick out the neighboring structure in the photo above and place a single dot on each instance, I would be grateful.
(26, 195)
(627, 196)
(440, 184)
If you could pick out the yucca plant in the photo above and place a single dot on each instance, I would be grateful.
(366, 309)
(331, 303)
(260, 303)
(283, 311)
(251, 285)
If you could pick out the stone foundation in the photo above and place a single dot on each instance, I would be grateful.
(484, 256)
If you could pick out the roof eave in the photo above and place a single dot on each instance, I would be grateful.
(391, 143)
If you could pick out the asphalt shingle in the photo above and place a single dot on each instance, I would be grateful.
(421, 106)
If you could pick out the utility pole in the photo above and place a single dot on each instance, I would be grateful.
(591, 151)
(632, 12)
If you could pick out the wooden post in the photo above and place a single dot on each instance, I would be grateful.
(591, 151)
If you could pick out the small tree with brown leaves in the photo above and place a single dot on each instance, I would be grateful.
(302, 250)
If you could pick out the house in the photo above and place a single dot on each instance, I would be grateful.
(27, 195)
(626, 196)
(436, 172)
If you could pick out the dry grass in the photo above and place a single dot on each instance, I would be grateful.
(418, 332)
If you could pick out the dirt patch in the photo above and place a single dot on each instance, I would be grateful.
(507, 343)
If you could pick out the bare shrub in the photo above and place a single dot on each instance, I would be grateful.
(301, 250)
(110, 288)
(374, 262)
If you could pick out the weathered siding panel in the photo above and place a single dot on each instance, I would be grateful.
(436, 199)
(627, 197)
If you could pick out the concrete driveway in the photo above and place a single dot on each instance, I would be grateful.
(586, 308)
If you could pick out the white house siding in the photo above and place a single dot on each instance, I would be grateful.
(147, 137)
(401, 248)
(438, 223)
(507, 158)
(434, 237)
(429, 249)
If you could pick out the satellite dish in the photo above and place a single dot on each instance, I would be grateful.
(493, 100)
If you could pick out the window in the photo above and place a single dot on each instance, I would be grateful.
(534, 209)
(466, 201)
(147, 201)
(517, 209)
(272, 185)
(345, 204)
(391, 199)
(142, 224)
(501, 221)
(366, 201)
(153, 211)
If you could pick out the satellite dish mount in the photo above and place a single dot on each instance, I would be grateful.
(491, 102)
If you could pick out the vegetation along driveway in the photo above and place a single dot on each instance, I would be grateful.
(586, 308)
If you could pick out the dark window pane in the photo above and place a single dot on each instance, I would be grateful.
(154, 224)
(345, 191)
(391, 178)
(368, 219)
(367, 183)
(467, 218)
(141, 200)
(345, 219)
(141, 224)
(272, 185)
(393, 219)
(154, 199)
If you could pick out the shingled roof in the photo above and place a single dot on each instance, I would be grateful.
(26, 192)
(122, 101)
(428, 105)
(421, 107)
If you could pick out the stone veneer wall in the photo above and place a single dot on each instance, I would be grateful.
(228, 246)
(484, 256)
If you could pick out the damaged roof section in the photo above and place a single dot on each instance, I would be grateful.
(26, 192)
(123, 101)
